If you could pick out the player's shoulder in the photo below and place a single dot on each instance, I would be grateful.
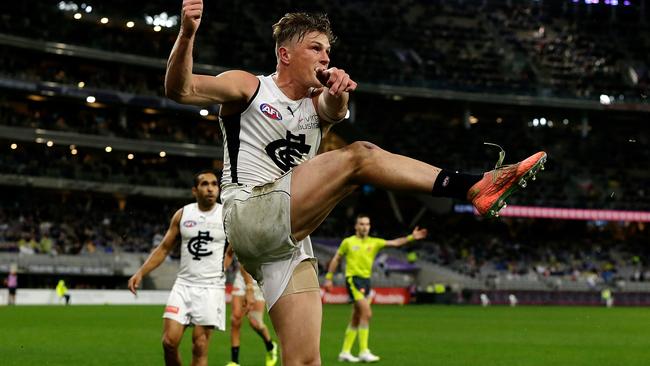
(376, 239)
(240, 77)
(179, 213)
(348, 239)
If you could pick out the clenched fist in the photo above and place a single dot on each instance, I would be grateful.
(191, 16)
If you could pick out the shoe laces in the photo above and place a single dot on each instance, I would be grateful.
(498, 167)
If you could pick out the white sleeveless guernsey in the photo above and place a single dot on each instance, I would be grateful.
(270, 137)
(202, 247)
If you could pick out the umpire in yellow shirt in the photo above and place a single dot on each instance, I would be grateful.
(359, 251)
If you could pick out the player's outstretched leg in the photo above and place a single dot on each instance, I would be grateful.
(318, 184)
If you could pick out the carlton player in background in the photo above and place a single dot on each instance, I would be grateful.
(198, 297)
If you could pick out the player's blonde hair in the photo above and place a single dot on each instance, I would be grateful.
(297, 25)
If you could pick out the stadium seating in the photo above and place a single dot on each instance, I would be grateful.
(453, 75)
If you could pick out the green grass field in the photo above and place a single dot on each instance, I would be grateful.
(401, 335)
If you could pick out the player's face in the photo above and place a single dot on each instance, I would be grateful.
(362, 227)
(309, 55)
(207, 191)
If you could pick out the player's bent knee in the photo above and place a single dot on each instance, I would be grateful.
(200, 346)
(170, 343)
(360, 153)
(235, 321)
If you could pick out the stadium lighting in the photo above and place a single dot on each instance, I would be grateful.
(14, 146)
(499, 119)
(130, 24)
(536, 122)
(162, 19)
(157, 28)
(72, 147)
(130, 156)
(77, 16)
(565, 121)
(604, 99)
(89, 9)
(542, 121)
(90, 99)
(39, 140)
(108, 149)
(81, 84)
(68, 6)
(162, 154)
(204, 112)
(36, 98)
(473, 120)
(50, 143)
(73, 151)
(104, 20)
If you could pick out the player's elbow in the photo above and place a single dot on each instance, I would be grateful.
(175, 95)
(177, 92)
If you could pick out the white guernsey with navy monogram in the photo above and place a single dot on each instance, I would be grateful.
(271, 136)
(262, 145)
(198, 295)
(202, 247)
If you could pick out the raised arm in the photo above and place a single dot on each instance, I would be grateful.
(182, 86)
(417, 234)
(159, 254)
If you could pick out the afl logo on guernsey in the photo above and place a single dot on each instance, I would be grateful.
(271, 112)
(189, 223)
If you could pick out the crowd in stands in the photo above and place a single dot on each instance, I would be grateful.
(95, 165)
(541, 48)
(598, 164)
(614, 145)
(595, 160)
(126, 122)
(542, 249)
(34, 221)
(37, 66)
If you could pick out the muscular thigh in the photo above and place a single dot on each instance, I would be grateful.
(317, 186)
(297, 321)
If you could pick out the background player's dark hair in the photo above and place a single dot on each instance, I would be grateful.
(299, 24)
(361, 216)
(206, 171)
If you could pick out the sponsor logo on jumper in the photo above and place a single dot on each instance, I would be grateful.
(189, 223)
(197, 245)
(271, 112)
(308, 123)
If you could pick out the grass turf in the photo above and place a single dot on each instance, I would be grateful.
(401, 335)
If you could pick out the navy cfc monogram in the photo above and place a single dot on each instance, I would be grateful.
(197, 246)
(284, 152)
